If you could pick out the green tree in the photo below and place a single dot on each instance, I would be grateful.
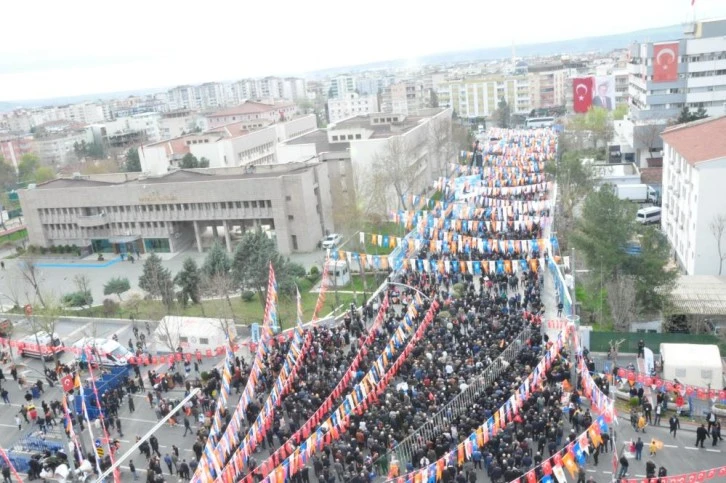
(605, 227)
(26, 168)
(156, 280)
(217, 261)
(620, 111)
(250, 265)
(8, 176)
(95, 151)
(686, 115)
(189, 161)
(43, 174)
(574, 180)
(654, 280)
(503, 113)
(203, 162)
(133, 162)
(189, 279)
(117, 286)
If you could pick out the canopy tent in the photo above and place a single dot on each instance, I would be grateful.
(694, 364)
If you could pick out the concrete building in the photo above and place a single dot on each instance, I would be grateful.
(253, 114)
(478, 97)
(547, 84)
(126, 131)
(340, 85)
(185, 209)
(405, 97)
(401, 142)
(224, 146)
(54, 141)
(699, 62)
(177, 123)
(351, 104)
(694, 176)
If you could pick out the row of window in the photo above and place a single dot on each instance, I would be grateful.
(343, 138)
(248, 153)
(150, 208)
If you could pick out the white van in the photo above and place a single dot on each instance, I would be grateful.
(106, 352)
(648, 215)
(40, 342)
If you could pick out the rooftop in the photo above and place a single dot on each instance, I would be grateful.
(319, 137)
(249, 107)
(698, 141)
(379, 130)
(700, 295)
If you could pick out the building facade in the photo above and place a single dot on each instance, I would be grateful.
(479, 97)
(694, 176)
(255, 114)
(54, 141)
(13, 147)
(351, 104)
(185, 209)
(547, 86)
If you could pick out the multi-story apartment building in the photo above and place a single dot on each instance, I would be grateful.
(173, 124)
(274, 88)
(622, 82)
(128, 131)
(340, 85)
(479, 97)
(14, 146)
(228, 145)
(54, 141)
(547, 84)
(406, 96)
(351, 104)
(665, 77)
(186, 209)
(694, 176)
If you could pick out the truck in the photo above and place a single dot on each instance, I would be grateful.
(638, 193)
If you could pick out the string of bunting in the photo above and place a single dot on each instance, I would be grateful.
(490, 428)
(474, 225)
(473, 192)
(296, 354)
(476, 267)
(304, 431)
(493, 169)
(211, 454)
(672, 386)
(363, 393)
(451, 242)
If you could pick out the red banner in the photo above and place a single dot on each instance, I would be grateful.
(665, 62)
(581, 94)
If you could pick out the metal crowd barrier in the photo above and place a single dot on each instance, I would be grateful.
(406, 449)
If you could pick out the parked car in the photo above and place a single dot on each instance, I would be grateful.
(106, 352)
(40, 344)
(332, 241)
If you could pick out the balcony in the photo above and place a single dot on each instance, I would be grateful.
(91, 221)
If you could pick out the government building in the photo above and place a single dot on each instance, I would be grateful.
(189, 209)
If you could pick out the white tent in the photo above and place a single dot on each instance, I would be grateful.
(693, 364)
(192, 333)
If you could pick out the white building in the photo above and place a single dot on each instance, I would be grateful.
(254, 114)
(146, 124)
(694, 176)
(699, 81)
(54, 141)
(479, 97)
(230, 145)
(275, 88)
(177, 123)
(351, 104)
(340, 85)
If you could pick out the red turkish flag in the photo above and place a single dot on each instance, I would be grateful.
(581, 94)
(665, 62)
(67, 383)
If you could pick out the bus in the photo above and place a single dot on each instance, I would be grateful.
(535, 122)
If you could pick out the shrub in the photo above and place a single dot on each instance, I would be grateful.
(43, 250)
(53, 249)
(204, 375)
(248, 295)
(634, 402)
(296, 270)
(77, 299)
(110, 307)
(314, 271)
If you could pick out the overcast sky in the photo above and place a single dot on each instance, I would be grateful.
(51, 49)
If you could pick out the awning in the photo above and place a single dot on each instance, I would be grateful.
(699, 295)
(124, 239)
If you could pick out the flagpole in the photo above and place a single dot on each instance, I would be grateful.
(10, 464)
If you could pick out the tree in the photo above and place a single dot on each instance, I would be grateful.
(83, 285)
(575, 180)
(26, 168)
(687, 116)
(503, 113)
(133, 162)
(217, 261)
(43, 174)
(620, 111)
(652, 278)
(169, 331)
(622, 301)
(95, 151)
(604, 228)
(117, 286)
(717, 227)
(8, 177)
(649, 136)
(189, 280)
(595, 124)
(203, 162)
(156, 280)
(189, 161)
(31, 274)
(395, 166)
(250, 264)
(440, 143)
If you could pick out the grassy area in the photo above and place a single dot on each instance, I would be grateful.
(15, 236)
(356, 283)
